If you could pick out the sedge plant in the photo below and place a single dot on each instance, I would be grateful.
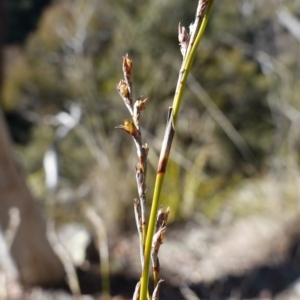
(151, 236)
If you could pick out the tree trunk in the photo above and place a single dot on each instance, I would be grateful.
(35, 259)
(31, 251)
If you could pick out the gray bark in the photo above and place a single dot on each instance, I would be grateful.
(31, 251)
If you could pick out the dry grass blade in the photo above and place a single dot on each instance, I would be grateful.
(155, 295)
(136, 294)
(166, 144)
(156, 243)
(66, 260)
(221, 119)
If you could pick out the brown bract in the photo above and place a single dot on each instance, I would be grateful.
(129, 127)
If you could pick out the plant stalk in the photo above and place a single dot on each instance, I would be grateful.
(167, 142)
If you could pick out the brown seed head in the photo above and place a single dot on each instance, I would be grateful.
(128, 127)
(127, 65)
(123, 89)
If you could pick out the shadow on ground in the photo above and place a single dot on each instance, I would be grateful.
(264, 281)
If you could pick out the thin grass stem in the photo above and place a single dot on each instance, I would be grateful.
(187, 64)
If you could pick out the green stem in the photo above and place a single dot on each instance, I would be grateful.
(150, 232)
(186, 67)
(187, 63)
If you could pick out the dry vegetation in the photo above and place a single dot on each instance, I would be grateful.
(233, 178)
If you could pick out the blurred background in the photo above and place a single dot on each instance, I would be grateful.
(233, 181)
